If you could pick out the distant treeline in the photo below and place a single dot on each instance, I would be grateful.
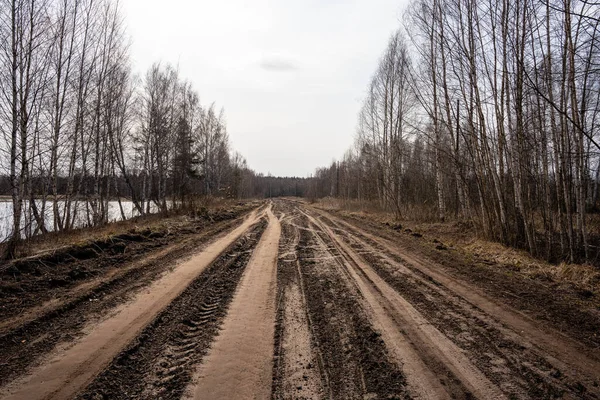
(242, 184)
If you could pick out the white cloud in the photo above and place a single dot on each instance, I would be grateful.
(278, 64)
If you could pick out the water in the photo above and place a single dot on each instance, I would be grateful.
(77, 208)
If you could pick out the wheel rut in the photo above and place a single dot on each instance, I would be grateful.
(298, 371)
(524, 360)
(26, 339)
(356, 363)
(433, 355)
(66, 371)
(161, 361)
(239, 364)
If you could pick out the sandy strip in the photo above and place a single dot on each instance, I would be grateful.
(240, 363)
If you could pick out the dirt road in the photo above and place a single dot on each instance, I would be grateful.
(240, 361)
(292, 302)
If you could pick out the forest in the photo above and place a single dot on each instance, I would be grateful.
(487, 112)
(77, 126)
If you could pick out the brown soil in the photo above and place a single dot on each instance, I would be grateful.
(71, 367)
(295, 303)
(355, 360)
(160, 362)
(29, 281)
(569, 304)
(544, 363)
(298, 365)
(239, 363)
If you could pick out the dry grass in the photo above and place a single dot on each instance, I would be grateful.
(80, 237)
(582, 276)
(420, 213)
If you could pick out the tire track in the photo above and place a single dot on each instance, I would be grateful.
(180, 351)
(438, 353)
(70, 369)
(25, 339)
(498, 352)
(240, 362)
(355, 359)
(298, 371)
(161, 361)
(523, 357)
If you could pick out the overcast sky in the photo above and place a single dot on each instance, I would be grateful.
(291, 75)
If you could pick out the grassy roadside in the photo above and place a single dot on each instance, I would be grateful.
(58, 242)
(98, 257)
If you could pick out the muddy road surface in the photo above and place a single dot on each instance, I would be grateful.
(284, 301)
